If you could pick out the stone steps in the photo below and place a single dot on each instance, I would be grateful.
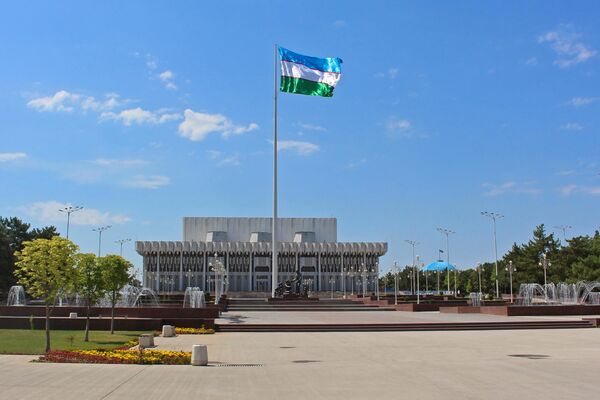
(405, 327)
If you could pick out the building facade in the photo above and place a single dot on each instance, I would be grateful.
(243, 247)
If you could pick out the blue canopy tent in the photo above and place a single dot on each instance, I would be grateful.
(438, 266)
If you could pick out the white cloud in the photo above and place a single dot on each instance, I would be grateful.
(581, 101)
(572, 126)
(301, 148)
(311, 127)
(356, 164)
(391, 73)
(139, 116)
(510, 187)
(148, 182)
(222, 159)
(565, 44)
(111, 162)
(68, 102)
(167, 78)
(60, 101)
(399, 127)
(5, 157)
(197, 125)
(531, 61)
(48, 212)
(568, 190)
(340, 23)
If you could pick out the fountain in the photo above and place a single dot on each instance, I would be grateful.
(193, 298)
(581, 292)
(132, 296)
(476, 299)
(16, 296)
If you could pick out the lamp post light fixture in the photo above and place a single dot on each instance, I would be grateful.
(121, 242)
(563, 228)
(494, 216)
(100, 230)
(544, 263)
(70, 210)
(412, 278)
(447, 233)
(511, 268)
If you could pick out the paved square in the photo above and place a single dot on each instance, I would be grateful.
(533, 364)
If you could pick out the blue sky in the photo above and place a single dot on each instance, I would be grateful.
(145, 112)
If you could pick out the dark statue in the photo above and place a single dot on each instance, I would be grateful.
(292, 288)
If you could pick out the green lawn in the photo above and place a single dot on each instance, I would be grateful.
(26, 341)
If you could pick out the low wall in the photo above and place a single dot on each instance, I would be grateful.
(460, 310)
(573, 309)
(210, 311)
(414, 307)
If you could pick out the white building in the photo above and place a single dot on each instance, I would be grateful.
(243, 246)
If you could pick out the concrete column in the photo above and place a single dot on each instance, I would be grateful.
(158, 270)
(343, 274)
(181, 271)
(226, 268)
(251, 273)
(319, 275)
(204, 271)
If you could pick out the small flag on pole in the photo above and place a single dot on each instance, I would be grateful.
(307, 75)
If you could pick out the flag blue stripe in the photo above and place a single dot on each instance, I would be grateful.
(327, 64)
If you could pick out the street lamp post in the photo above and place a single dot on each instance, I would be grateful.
(121, 242)
(377, 279)
(510, 270)
(100, 230)
(412, 278)
(479, 268)
(70, 210)
(544, 263)
(395, 283)
(418, 284)
(494, 216)
(447, 232)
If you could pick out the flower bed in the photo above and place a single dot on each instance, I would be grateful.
(194, 331)
(118, 356)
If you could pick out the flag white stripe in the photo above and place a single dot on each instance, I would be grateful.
(295, 70)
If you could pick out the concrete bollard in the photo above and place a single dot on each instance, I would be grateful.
(146, 340)
(199, 355)
(73, 315)
(168, 331)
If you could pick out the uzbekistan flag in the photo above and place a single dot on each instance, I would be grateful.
(309, 75)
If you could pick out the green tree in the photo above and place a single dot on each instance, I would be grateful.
(115, 273)
(45, 267)
(13, 233)
(90, 284)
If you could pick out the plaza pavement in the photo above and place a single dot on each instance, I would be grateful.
(532, 364)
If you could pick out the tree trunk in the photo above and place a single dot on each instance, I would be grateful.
(87, 323)
(112, 315)
(47, 328)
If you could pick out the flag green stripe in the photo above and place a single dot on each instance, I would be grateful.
(303, 86)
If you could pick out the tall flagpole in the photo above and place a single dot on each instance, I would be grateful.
(274, 221)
